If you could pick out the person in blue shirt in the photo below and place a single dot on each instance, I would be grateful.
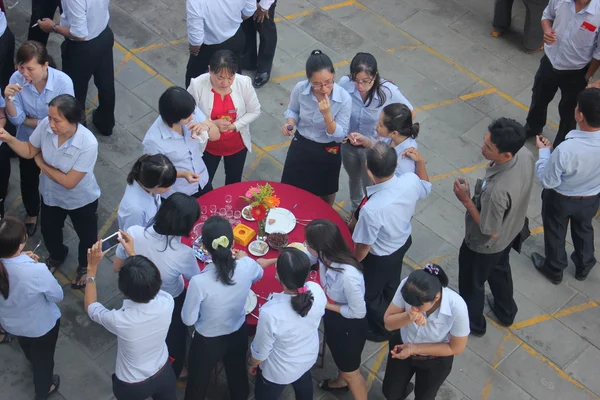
(28, 310)
(370, 93)
(4, 157)
(317, 116)
(31, 88)
(149, 177)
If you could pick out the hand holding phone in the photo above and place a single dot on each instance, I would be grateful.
(110, 242)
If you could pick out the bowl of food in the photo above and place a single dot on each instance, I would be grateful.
(247, 213)
(278, 240)
(258, 248)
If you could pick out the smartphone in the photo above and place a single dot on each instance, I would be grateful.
(110, 241)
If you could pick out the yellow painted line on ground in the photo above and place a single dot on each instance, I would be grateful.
(108, 222)
(537, 231)
(158, 46)
(531, 321)
(381, 356)
(143, 65)
(13, 206)
(438, 104)
(458, 172)
(401, 48)
(558, 314)
(473, 95)
(276, 146)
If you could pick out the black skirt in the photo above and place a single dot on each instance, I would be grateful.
(346, 339)
(314, 167)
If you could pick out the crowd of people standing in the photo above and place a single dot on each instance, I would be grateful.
(362, 122)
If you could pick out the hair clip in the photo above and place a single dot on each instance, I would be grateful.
(303, 289)
(221, 241)
(432, 269)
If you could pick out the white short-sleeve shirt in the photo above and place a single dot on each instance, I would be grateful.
(79, 153)
(86, 19)
(451, 318)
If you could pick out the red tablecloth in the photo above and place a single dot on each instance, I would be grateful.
(308, 206)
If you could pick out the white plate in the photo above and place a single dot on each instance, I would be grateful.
(251, 302)
(246, 218)
(255, 252)
(298, 245)
(284, 220)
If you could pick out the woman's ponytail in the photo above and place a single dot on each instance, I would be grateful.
(293, 267)
(134, 174)
(303, 301)
(438, 272)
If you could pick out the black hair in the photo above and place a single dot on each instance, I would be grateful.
(12, 235)
(153, 171)
(398, 117)
(382, 160)
(31, 49)
(214, 228)
(325, 237)
(175, 104)
(588, 102)
(69, 107)
(139, 279)
(366, 62)
(223, 60)
(176, 216)
(423, 285)
(293, 267)
(508, 135)
(318, 61)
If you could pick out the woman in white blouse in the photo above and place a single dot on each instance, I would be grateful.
(230, 101)
(432, 326)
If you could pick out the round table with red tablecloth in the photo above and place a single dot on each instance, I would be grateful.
(307, 207)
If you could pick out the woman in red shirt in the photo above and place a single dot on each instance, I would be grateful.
(231, 102)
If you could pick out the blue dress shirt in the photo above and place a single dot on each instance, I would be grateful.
(384, 220)
(183, 151)
(30, 103)
(572, 168)
(304, 108)
(137, 207)
(345, 287)
(30, 309)
(286, 343)
(216, 309)
(79, 153)
(364, 118)
(213, 22)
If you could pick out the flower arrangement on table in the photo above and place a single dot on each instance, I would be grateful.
(261, 198)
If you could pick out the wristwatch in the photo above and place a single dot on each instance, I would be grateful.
(54, 27)
(91, 279)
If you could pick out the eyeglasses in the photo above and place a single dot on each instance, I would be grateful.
(321, 85)
(364, 81)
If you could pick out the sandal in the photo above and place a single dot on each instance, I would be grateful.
(325, 386)
(7, 337)
(78, 285)
(56, 383)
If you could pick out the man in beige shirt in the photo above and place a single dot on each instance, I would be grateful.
(495, 216)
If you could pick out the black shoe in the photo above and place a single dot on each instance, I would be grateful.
(261, 79)
(409, 389)
(31, 228)
(580, 273)
(104, 131)
(538, 262)
(490, 300)
(53, 264)
(56, 383)
(325, 386)
(477, 333)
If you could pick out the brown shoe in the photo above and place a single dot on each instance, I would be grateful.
(496, 32)
(541, 48)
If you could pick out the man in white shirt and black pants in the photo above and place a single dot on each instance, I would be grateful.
(571, 184)
(88, 51)
(7, 52)
(215, 25)
(262, 23)
(572, 57)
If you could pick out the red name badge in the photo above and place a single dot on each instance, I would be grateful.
(588, 27)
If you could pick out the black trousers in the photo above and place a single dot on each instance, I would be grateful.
(557, 212)
(40, 353)
(533, 34)
(7, 57)
(197, 65)
(85, 223)
(474, 269)
(545, 85)
(30, 180)
(382, 278)
(94, 58)
(267, 31)
(160, 386)
(267, 390)
(234, 167)
(206, 352)
(41, 9)
(430, 374)
(177, 336)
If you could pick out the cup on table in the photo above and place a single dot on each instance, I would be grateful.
(229, 214)
(228, 200)
(313, 275)
(203, 217)
(213, 209)
(223, 212)
(237, 215)
(203, 209)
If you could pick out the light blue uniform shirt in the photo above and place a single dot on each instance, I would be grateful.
(286, 343)
(216, 309)
(183, 151)
(573, 167)
(384, 220)
(2, 102)
(304, 108)
(137, 206)
(174, 260)
(213, 22)
(346, 287)
(3, 23)
(364, 118)
(405, 164)
(79, 153)
(450, 319)
(30, 103)
(86, 19)
(30, 309)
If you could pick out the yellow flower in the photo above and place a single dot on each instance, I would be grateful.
(271, 201)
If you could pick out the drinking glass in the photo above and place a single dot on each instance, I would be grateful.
(223, 212)
(313, 275)
(213, 209)
(203, 217)
(228, 200)
(237, 215)
(203, 209)
(229, 214)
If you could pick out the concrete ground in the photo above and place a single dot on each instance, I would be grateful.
(440, 53)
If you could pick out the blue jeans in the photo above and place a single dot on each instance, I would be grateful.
(266, 390)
